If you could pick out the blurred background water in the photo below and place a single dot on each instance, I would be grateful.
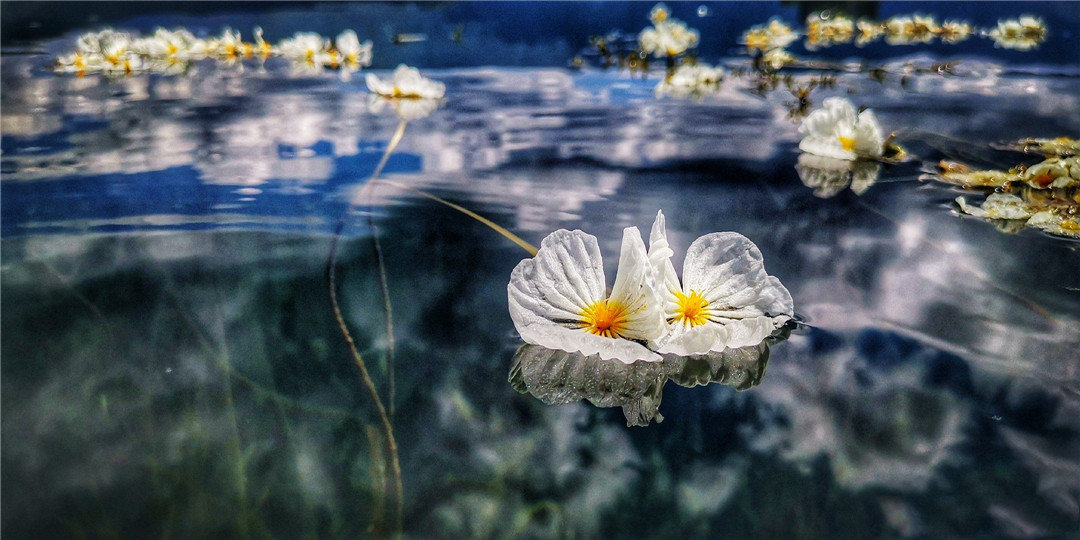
(171, 366)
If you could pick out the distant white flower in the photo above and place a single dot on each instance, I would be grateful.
(825, 32)
(229, 45)
(775, 59)
(1038, 208)
(954, 31)
(725, 299)
(691, 81)
(1021, 34)
(905, 30)
(773, 35)
(557, 298)
(869, 31)
(668, 38)
(659, 13)
(262, 48)
(306, 48)
(170, 44)
(406, 82)
(836, 130)
(354, 55)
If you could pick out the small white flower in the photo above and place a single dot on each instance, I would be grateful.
(773, 35)
(306, 48)
(659, 13)
(691, 81)
(668, 38)
(726, 299)
(836, 131)
(1021, 34)
(827, 32)
(557, 298)
(1054, 172)
(869, 31)
(229, 45)
(954, 31)
(406, 82)
(775, 59)
(354, 55)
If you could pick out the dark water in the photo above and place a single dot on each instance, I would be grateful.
(172, 368)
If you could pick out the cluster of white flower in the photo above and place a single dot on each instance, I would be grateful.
(667, 37)
(558, 298)
(691, 81)
(171, 51)
(837, 131)
(827, 29)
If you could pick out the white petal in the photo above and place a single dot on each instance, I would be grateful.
(548, 292)
(379, 86)
(635, 288)
(868, 138)
(684, 340)
(660, 253)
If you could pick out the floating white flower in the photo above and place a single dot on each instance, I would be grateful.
(726, 299)
(825, 32)
(906, 30)
(228, 46)
(659, 13)
(1054, 172)
(691, 81)
(175, 45)
(262, 47)
(668, 38)
(557, 298)
(837, 131)
(1051, 213)
(406, 82)
(1021, 34)
(775, 59)
(773, 35)
(954, 31)
(354, 55)
(307, 48)
(869, 31)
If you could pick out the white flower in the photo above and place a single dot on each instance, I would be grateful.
(406, 109)
(229, 45)
(659, 13)
(997, 206)
(177, 44)
(691, 81)
(354, 55)
(775, 59)
(869, 31)
(829, 31)
(954, 31)
(1054, 172)
(262, 47)
(557, 298)
(773, 35)
(306, 48)
(1021, 34)
(726, 299)
(406, 82)
(828, 176)
(668, 38)
(836, 131)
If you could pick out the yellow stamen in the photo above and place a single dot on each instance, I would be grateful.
(606, 318)
(172, 49)
(693, 309)
(847, 142)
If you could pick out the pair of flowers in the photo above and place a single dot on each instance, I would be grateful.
(726, 299)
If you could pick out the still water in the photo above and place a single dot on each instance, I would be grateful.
(172, 366)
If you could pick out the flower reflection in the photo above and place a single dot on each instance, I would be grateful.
(828, 176)
(691, 81)
(557, 377)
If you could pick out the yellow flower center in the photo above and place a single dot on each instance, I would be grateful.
(693, 309)
(172, 49)
(606, 318)
(847, 142)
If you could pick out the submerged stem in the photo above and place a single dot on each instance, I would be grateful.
(331, 277)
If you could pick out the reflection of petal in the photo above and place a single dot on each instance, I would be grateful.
(828, 176)
(740, 368)
(557, 377)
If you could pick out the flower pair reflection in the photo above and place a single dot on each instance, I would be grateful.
(558, 377)
(829, 176)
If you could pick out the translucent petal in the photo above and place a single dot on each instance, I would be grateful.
(635, 288)
(660, 253)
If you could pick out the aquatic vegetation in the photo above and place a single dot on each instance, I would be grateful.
(667, 37)
(725, 298)
(1054, 211)
(1022, 34)
(691, 81)
(1053, 172)
(836, 131)
(558, 300)
(170, 51)
(827, 176)
(1059, 146)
